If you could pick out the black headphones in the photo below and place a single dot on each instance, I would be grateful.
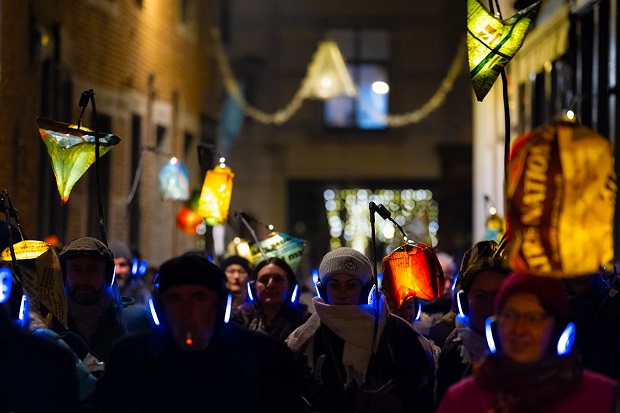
(366, 296)
(292, 295)
(563, 337)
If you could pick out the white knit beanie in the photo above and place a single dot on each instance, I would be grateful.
(345, 260)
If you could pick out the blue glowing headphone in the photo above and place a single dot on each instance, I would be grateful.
(6, 284)
(564, 345)
(154, 305)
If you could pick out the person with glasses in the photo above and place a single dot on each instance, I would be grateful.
(530, 366)
(237, 270)
(273, 308)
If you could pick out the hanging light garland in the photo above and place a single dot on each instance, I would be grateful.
(303, 92)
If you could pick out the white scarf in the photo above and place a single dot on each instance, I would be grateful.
(355, 324)
(86, 317)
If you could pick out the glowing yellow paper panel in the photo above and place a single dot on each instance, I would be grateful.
(215, 196)
(492, 42)
(561, 199)
(72, 151)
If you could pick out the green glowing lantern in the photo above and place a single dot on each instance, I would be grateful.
(492, 42)
(72, 151)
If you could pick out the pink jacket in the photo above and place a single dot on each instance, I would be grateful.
(596, 394)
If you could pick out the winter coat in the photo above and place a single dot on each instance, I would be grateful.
(291, 316)
(36, 376)
(595, 394)
(240, 371)
(400, 374)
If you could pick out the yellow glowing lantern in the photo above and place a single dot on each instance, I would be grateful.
(215, 196)
(327, 75)
(561, 201)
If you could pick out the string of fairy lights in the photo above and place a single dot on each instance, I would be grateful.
(284, 114)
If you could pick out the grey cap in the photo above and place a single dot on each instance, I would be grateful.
(345, 260)
(85, 246)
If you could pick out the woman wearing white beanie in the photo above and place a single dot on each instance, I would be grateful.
(358, 361)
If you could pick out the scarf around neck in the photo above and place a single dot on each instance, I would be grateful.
(86, 317)
(528, 388)
(355, 325)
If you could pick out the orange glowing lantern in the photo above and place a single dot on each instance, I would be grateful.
(215, 196)
(412, 270)
(188, 220)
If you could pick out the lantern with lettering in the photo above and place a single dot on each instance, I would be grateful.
(561, 199)
(412, 270)
(215, 196)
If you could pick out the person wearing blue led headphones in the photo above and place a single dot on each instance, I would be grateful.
(273, 309)
(195, 360)
(37, 376)
(357, 359)
(475, 291)
(530, 366)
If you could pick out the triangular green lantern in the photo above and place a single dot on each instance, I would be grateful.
(72, 151)
(492, 42)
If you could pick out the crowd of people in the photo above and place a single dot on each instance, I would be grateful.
(233, 337)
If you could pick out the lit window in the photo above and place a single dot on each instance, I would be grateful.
(366, 53)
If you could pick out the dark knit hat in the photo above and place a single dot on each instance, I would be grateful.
(236, 259)
(191, 269)
(120, 250)
(345, 260)
(550, 292)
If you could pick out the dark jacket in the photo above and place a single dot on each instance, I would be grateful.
(291, 316)
(240, 371)
(399, 376)
(35, 375)
(596, 315)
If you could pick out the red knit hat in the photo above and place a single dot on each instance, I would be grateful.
(550, 292)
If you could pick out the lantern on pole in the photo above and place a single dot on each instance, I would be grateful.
(412, 270)
(72, 151)
(174, 181)
(561, 201)
(492, 42)
(216, 192)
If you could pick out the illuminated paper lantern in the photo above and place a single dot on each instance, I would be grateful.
(72, 151)
(561, 201)
(41, 277)
(328, 75)
(495, 227)
(215, 196)
(412, 270)
(174, 181)
(492, 42)
(188, 220)
(277, 244)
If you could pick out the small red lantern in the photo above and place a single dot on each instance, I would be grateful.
(188, 220)
(412, 270)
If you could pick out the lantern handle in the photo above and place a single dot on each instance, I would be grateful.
(243, 217)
